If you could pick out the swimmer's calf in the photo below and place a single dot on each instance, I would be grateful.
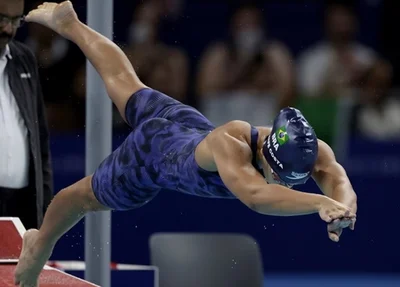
(68, 207)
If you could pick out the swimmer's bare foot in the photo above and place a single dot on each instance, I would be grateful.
(34, 256)
(58, 17)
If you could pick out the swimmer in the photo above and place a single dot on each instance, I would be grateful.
(173, 147)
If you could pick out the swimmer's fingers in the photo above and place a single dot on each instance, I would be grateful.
(349, 214)
(335, 229)
(335, 234)
(353, 224)
(339, 223)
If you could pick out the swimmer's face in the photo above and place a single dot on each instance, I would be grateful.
(11, 12)
(270, 176)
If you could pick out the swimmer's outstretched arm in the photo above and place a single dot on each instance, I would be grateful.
(332, 178)
(106, 57)
(233, 159)
(334, 183)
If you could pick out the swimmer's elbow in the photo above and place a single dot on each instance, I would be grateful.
(255, 196)
(260, 207)
(263, 200)
(255, 201)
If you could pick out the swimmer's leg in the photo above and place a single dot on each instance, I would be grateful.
(66, 209)
(106, 57)
(110, 62)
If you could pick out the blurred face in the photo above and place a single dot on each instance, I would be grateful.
(270, 176)
(145, 21)
(247, 30)
(11, 12)
(341, 25)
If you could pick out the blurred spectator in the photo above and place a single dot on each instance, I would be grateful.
(341, 67)
(338, 64)
(162, 67)
(377, 116)
(58, 59)
(26, 175)
(248, 77)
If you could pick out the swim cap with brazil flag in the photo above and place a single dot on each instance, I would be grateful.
(292, 147)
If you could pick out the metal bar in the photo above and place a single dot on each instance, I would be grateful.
(98, 147)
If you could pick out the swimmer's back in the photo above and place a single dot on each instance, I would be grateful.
(171, 155)
(159, 154)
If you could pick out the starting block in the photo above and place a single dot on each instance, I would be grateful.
(63, 273)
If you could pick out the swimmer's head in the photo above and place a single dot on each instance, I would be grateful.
(290, 150)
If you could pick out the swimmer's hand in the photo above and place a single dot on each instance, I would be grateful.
(335, 228)
(337, 215)
(58, 17)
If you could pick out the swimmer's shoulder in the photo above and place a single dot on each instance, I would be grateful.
(240, 130)
(237, 129)
(204, 150)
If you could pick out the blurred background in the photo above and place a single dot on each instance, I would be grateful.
(337, 61)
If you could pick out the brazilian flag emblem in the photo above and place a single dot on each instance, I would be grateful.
(282, 136)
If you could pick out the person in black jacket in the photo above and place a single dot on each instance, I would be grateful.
(26, 185)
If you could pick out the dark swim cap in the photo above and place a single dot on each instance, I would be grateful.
(292, 147)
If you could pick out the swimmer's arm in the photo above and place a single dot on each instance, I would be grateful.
(332, 179)
(233, 160)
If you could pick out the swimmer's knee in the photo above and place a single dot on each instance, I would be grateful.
(83, 189)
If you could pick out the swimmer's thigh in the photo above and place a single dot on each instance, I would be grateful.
(148, 104)
(121, 182)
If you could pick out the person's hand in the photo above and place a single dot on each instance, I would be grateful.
(58, 17)
(331, 210)
(336, 227)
